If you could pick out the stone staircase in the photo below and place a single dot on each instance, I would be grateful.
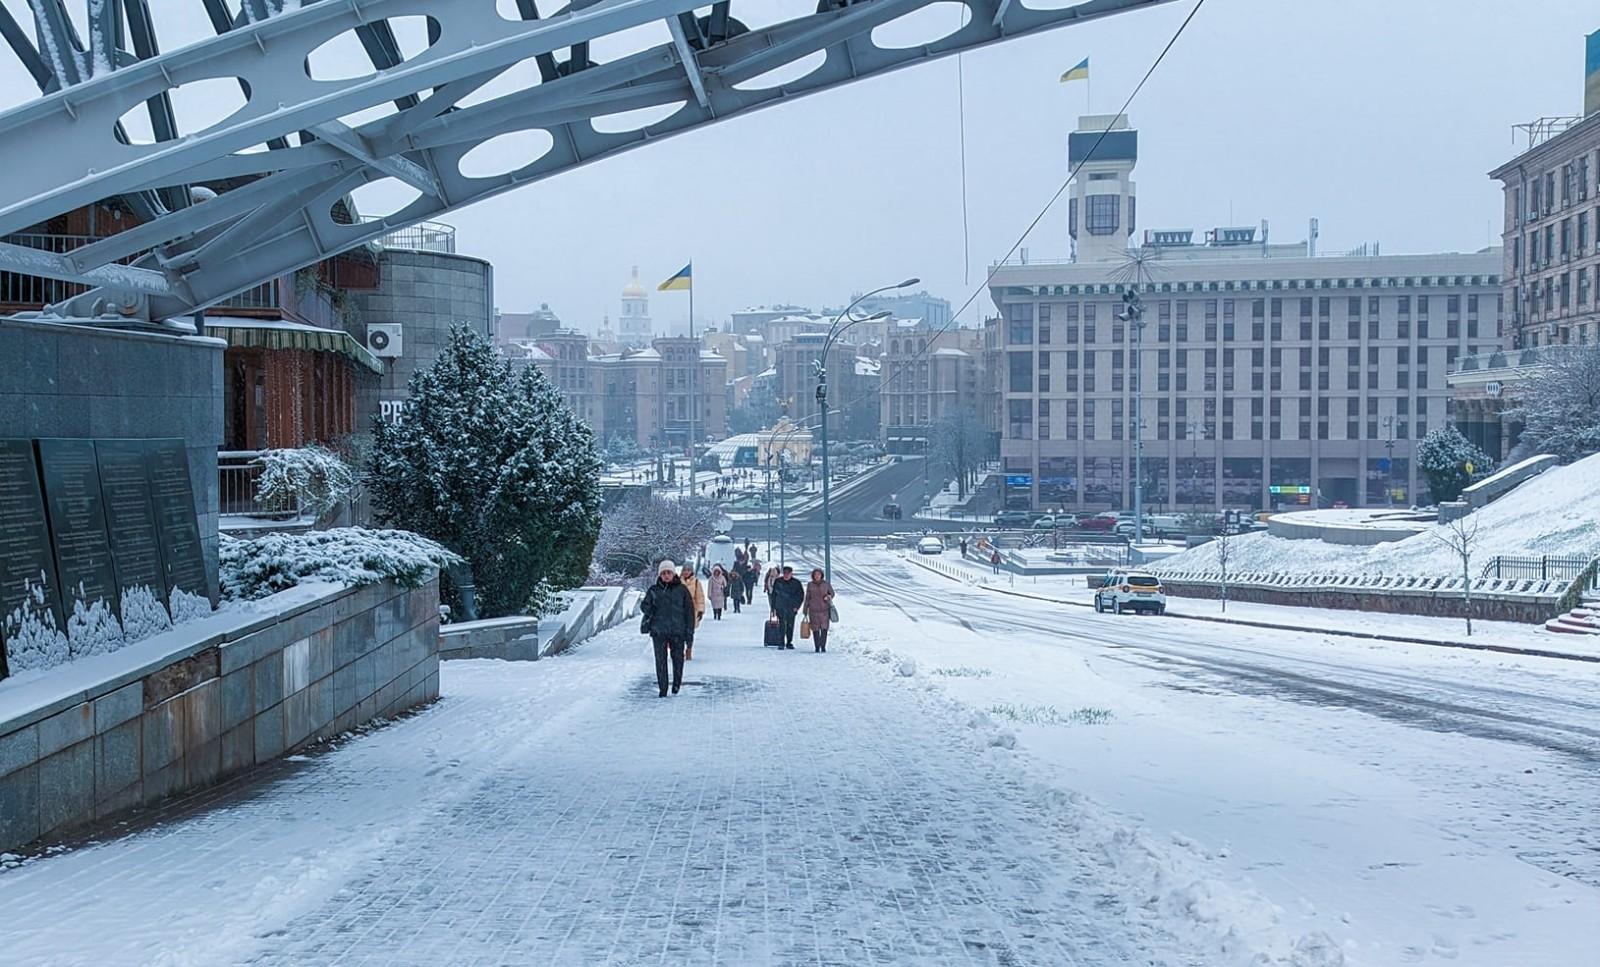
(1578, 621)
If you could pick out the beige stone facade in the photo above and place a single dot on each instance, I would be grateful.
(641, 395)
(1552, 253)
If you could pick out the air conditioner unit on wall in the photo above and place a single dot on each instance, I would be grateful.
(383, 338)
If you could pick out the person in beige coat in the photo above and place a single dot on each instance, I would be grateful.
(698, 591)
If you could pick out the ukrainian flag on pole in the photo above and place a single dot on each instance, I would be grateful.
(1078, 73)
(683, 280)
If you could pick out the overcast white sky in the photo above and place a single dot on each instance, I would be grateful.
(1376, 116)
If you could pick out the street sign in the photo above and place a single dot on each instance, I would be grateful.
(1383, 464)
(1468, 467)
(1294, 489)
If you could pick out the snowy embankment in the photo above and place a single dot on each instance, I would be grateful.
(1555, 513)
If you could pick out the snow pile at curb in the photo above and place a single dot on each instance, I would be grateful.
(1172, 879)
(1554, 513)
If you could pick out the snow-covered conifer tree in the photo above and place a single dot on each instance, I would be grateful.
(494, 466)
(1443, 457)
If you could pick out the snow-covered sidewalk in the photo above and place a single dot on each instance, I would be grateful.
(787, 808)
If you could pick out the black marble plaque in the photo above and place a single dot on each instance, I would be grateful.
(131, 527)
(30, 599)
(83, 550)
(178, 526)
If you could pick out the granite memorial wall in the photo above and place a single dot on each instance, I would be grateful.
(100, 546)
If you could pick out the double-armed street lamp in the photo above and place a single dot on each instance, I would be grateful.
(841, 322)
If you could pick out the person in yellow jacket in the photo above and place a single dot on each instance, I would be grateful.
(698, 591)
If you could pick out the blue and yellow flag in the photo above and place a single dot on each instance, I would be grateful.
(1078, 73)
(683, 280)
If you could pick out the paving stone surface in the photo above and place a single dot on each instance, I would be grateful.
(786, 808)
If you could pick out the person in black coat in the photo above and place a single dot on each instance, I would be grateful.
(787, 596)
(668, 618)
(736, 588)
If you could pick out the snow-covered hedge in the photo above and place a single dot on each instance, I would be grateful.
(255, 568)
(312, 478)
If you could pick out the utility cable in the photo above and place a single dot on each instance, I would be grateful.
(1056, 196)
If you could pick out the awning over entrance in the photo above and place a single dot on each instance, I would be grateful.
(242, 333)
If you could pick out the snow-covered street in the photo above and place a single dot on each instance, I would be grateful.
(1414, 803)
(966, 778)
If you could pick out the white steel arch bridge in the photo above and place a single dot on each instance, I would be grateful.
(222, 205)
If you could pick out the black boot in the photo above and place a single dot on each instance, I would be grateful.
(675, 688)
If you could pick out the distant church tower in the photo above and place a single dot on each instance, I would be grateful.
(634, 328)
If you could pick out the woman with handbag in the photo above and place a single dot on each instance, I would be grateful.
(818, 607)
(717, 591)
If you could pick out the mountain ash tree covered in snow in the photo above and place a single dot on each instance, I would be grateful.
(1443, 456)
(491, 464)
(1559, 404)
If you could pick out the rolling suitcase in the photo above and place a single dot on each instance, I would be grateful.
(772, 634)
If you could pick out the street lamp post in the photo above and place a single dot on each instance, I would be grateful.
(1388, 464)
(1133, 314)
(821, 366)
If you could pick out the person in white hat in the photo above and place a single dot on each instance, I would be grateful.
(668, 617)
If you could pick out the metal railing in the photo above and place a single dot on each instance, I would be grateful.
(1562, 567)
(29, 290)
(263, 296)
(238, 477)
(422, 237)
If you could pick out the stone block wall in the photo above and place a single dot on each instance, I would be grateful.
(240, 696)
(61, 380)
(511, 639)
(1528, 609)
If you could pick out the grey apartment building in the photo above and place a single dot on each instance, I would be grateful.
(1269, 379)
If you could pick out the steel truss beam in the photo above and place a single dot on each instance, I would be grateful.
(59, 152)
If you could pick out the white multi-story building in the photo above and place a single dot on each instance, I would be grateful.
(1270, 377)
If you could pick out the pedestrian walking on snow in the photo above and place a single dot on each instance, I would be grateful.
(963, 548)
(668, 618)
(717, 591)
(766, 585)
(994, 560)
(818, 606)
(697, 593)
(752, 574)
(736, 581)
(788, 594)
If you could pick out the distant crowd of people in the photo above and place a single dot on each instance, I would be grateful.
(676, 603)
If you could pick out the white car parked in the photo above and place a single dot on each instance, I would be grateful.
(930, 545)
(1122, 591)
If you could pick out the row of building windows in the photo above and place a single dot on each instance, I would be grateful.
(1557, 188)
(1564, 240)
(1024, 423)
(1558, 294)
(1027, 322)
(1091, 480)
(1116, 289)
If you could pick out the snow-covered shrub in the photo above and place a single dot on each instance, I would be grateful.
(264, 565)
(1443, 457)
(314, 479)
(1559, 404)
(493, 465)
